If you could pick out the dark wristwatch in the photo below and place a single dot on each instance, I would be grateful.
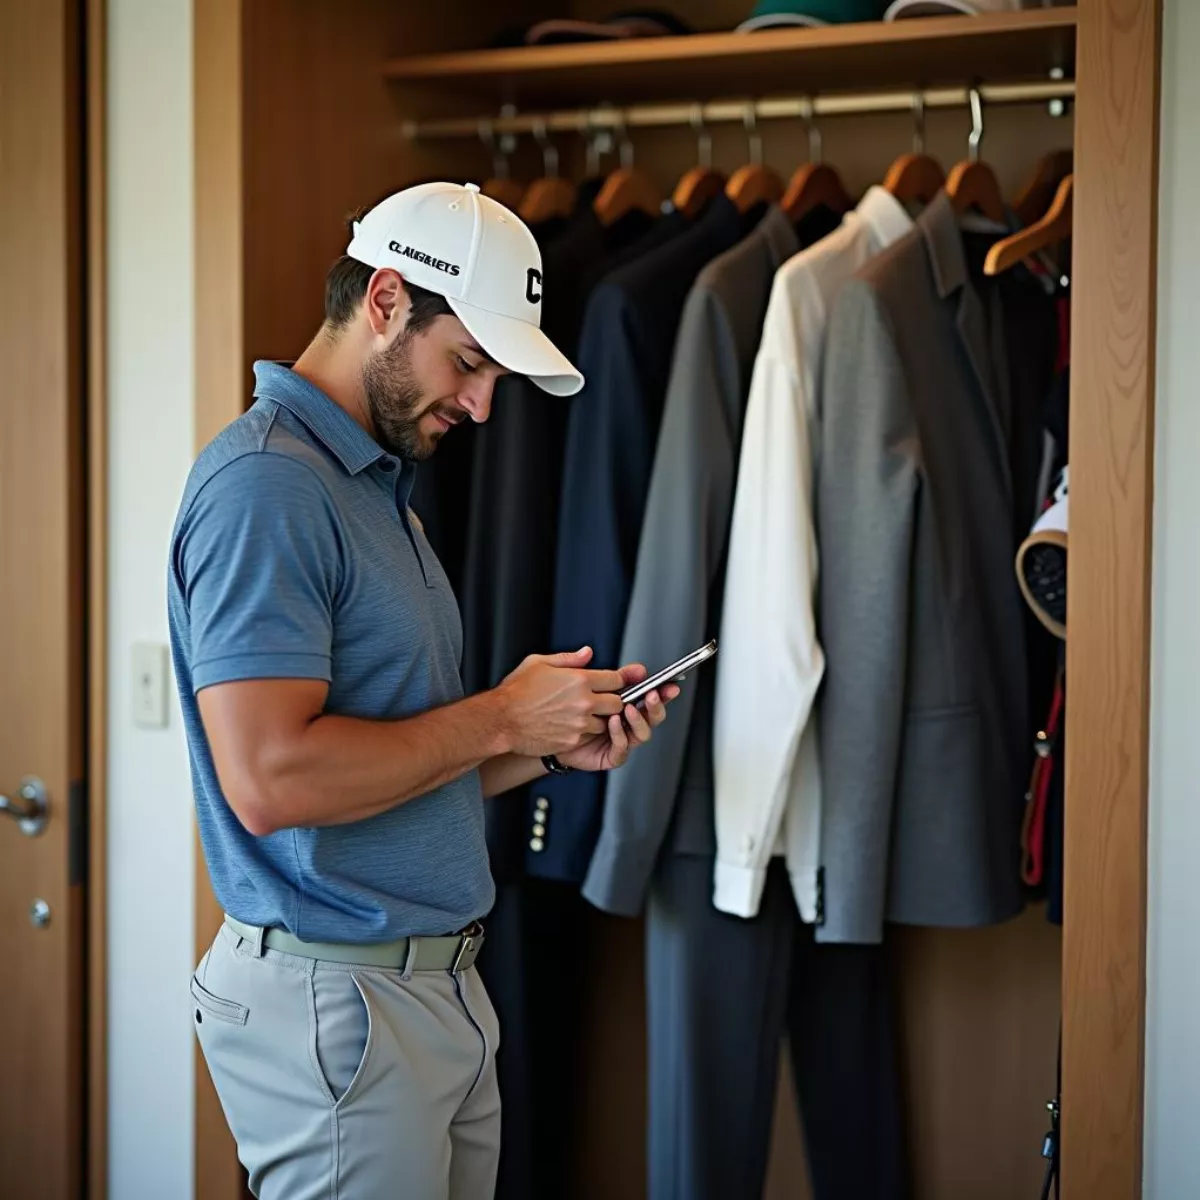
(551, 763)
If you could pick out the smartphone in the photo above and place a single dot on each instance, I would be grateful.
(672, 674)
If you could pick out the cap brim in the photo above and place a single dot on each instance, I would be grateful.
(899, 9)
(780, 21)
(521, 348)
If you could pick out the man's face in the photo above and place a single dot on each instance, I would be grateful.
(424, 383)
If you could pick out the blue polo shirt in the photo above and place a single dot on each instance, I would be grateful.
(295, 555)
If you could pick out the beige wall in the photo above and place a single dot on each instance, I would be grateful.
(150, 318)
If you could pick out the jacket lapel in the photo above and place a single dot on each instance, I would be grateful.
(944, 241)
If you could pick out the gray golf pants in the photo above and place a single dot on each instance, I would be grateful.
(350, 1083)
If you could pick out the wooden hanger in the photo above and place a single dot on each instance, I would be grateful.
(1036, 196)
(699, 185)
(972, 184)
(1051, 229)
(754, 183)
(504, 191)
(695, 189)
(628, 189)
(916, 178)
(546, 198)
(551, 196)
(812, 185)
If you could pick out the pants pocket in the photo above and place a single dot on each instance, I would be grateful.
(342, 1033)
(207, 1004)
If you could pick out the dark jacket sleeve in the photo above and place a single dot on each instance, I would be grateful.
(610, 446)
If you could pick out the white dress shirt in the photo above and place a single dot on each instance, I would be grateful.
(766, 769)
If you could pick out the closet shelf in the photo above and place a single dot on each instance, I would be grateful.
(925, 51)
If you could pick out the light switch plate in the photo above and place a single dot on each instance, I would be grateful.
(150, 685)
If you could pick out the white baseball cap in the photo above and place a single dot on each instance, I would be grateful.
(450, 239)
(940, 8)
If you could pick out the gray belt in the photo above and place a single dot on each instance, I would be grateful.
(454, 954)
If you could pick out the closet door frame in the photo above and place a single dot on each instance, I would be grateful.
(1114, 286)
(1112, 446)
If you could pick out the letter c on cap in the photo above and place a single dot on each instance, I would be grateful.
(533, 277)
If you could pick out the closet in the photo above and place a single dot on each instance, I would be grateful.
(306, 111)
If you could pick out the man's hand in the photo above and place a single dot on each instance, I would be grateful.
(611, 749)
(552, 705)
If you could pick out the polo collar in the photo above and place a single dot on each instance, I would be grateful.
(939, 225)
(328, 422)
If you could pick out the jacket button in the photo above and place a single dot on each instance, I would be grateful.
(539, 831)
(537, 845)
(748, 844)
(542, 804)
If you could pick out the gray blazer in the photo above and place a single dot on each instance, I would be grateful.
(924, 720)
(675, 605)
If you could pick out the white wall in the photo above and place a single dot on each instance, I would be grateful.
(150, 356)
(1172, 1150)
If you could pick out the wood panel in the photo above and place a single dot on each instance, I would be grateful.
(97, 606)
(1116, 156)
(217, 84)
(1023, 45)
(42, 618)
(978, 1015)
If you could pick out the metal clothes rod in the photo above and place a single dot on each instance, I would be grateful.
(589, 120)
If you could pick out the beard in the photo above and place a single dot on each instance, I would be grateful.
(395, 402)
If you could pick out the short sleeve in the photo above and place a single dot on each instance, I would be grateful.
(258, 558)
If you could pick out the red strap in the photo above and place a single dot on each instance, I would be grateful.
(1033, 827)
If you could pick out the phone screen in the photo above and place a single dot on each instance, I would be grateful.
(672, 674)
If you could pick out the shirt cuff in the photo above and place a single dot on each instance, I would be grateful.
(230, 668)
(618, 877)
(738, 890)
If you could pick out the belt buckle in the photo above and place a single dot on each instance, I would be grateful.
(468, 948)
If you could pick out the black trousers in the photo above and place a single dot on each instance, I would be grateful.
(533, 967)
(721, 992)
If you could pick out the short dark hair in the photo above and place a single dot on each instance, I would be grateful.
(346, 285)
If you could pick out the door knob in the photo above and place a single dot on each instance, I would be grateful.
(30, 807)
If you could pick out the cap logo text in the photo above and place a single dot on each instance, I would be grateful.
(438, 264)
(533, 278)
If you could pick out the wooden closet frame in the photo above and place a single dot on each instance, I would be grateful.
(1112, 446)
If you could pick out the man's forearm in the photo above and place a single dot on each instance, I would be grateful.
(502, 774)
(343, 769)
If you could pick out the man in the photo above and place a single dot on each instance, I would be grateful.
(339, 771)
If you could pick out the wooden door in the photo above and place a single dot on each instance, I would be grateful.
(42, 589)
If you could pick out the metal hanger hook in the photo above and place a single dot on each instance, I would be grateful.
(808, 111)
(703, 137)
(592, 143)
(549, 149)
(976, 124)
(487, 135)
(918, 111)
(750, 119)
(626, 145)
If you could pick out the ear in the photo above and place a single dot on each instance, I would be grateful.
(386, 302)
